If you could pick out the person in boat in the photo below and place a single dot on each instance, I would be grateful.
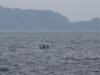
(44, 46)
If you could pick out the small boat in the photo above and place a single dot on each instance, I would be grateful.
(44, 46)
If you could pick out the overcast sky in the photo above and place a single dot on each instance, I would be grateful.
(75, 10)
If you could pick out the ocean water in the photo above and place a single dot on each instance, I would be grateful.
(70, 53)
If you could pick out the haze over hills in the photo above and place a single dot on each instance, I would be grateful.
(42, 20)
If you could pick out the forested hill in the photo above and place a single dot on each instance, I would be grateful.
(42, 20)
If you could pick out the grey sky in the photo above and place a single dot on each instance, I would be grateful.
(75, 10)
